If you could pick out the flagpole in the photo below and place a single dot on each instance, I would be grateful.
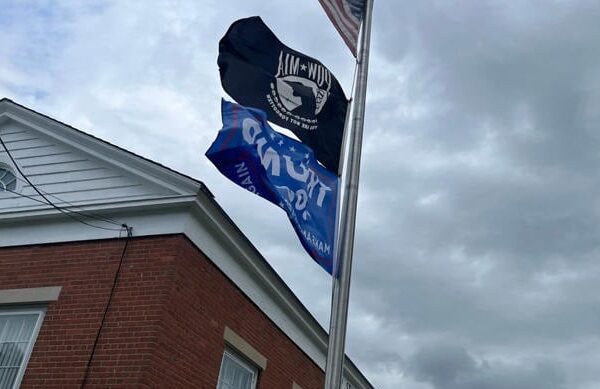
(342, 275)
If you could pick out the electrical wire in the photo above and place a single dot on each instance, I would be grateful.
(74, 218)
(70, 207)
(61, 210)
(110, 297)
(89, 215)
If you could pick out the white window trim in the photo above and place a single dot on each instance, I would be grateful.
(41, 311)
(232, 354)
(29, 295)
(6, 163)
(237, 343)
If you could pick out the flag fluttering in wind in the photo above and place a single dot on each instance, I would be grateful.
(281, 170)
(296, 91)
(346, 16)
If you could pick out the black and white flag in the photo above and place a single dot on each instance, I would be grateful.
(296, 91)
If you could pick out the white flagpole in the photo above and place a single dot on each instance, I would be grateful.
(346, 227)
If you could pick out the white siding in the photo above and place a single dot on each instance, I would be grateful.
(61, 171)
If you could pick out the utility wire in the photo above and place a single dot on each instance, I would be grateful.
(70, 207)
(68, 214)
(88, 215)
(110, 297)
(72, 217)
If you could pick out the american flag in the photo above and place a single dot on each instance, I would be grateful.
(346, 16)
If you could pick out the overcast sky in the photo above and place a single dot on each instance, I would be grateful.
(478, 238)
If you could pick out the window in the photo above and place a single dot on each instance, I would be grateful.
(18, 330)
(236, 373)
(8, 181)
(346, 384)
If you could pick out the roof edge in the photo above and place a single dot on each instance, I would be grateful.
(272, 280)
(101, 149)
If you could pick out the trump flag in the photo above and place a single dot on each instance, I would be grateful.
(282, 171)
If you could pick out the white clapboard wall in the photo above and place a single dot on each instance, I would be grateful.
(65, 173)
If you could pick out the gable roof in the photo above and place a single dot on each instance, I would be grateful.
(10, 110)
(167, 202)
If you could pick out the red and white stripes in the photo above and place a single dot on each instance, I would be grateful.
(346, 17)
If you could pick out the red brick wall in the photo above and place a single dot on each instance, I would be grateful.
(165, 325)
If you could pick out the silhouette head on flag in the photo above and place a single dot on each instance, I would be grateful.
(296, 91)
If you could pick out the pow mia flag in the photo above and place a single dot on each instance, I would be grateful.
(296, 91)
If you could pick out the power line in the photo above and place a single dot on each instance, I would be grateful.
(71, 216)
(83, 214)
(110, 297)
(61, 210)
(70, 207)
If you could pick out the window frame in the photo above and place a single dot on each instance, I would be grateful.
(25, 310)
(6, 164)
(346, 384)
(238, 358)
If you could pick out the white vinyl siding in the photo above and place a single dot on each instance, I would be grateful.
(18, 331)
(70, 175)
(236, 373)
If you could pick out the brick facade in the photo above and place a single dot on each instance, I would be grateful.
(164, 327)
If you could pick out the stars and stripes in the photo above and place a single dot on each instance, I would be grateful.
(346, 16)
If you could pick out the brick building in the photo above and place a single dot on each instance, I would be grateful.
(185, 301)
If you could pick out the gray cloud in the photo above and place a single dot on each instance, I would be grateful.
(479, 219)
(476, 247)
(452, 367)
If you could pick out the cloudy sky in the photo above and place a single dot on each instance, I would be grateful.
(478, 237)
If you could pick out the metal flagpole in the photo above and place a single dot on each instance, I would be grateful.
(341, 277)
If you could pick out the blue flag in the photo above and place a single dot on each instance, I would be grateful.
(281, 170)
